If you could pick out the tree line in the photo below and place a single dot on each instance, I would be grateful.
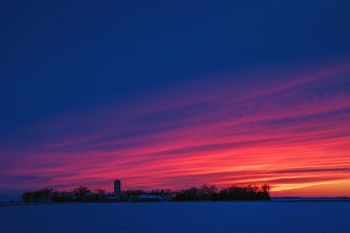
(78, 194)
(202, 193)
(232, 193)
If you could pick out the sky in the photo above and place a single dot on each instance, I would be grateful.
(174, 94)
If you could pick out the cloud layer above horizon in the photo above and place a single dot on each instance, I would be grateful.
(290, 130)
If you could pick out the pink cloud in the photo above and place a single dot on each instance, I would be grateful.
(290, 133)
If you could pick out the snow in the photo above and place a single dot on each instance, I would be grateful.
(202, 217)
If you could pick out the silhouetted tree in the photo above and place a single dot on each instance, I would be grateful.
(36, 196)
(81, 192)
(264, 192)
(98, 194)
(191, 194)
(160, 191)
(206, 192)
(241, 193)
(62, 197)
(266, 188)
(45, 194)
(27, 197)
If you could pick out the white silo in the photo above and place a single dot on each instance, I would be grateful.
(117, 189)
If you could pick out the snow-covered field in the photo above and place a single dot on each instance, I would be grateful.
(201, 217)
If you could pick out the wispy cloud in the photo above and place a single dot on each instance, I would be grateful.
(291, 131)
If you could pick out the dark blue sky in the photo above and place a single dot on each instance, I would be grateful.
(59, 55)
(161, 93)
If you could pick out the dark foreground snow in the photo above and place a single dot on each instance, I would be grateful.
(201, 217)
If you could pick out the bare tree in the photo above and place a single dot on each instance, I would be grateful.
(81, 192)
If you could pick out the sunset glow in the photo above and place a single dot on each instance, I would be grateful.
(291, 130)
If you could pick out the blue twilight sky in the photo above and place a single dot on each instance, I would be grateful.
(173, 94)
(59, 55)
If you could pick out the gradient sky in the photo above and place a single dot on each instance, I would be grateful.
(175, 94)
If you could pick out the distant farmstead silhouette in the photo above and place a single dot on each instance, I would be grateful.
(205, 192)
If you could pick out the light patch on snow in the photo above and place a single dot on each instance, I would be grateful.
(201, 217)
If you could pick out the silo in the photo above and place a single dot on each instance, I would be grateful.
(117, 189)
